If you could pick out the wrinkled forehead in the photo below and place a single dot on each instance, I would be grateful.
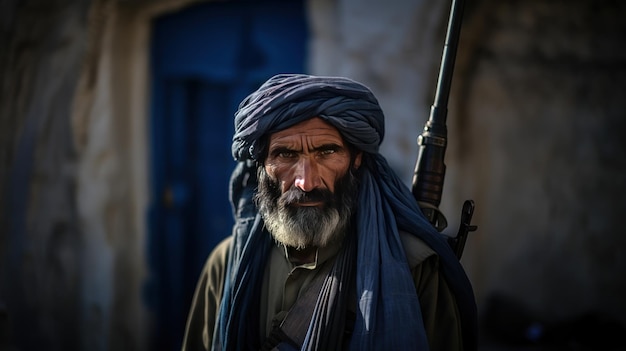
(312, 129)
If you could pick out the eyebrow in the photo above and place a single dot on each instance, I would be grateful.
(279, 149)
(328, 146)
(323, 147)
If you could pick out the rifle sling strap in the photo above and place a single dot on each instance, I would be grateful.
(294, 327)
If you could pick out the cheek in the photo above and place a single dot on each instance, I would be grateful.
(278, 174)
(332, 174)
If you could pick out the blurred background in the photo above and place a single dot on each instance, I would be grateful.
(115, 129)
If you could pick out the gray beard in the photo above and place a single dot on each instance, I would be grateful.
(307, 228)
(301, 227)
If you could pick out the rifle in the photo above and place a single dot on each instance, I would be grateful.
(430, 169)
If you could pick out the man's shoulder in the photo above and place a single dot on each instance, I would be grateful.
(416, 250)
(222, 247)
(219, 256)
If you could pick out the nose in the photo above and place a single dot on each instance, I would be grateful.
(307, 175)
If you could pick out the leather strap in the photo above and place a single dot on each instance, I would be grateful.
(294, 327)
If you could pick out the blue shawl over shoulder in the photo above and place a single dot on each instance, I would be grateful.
(388, 311)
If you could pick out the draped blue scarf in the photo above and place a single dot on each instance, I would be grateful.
(388, 311)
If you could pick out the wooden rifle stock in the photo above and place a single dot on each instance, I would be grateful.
(430, 169)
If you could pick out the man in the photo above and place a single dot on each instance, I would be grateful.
(329, 250)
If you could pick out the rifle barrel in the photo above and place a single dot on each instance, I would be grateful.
(430, 168)
(448, 58)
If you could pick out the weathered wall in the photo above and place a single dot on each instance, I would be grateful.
(539, 116)
(42, 50)
(111, 182)
(72, 258)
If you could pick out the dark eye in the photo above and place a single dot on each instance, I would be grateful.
(329, 149)
(286, 154)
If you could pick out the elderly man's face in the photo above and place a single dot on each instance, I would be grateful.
(310, 155)
(306, 187)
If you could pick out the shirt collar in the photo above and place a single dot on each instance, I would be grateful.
(321, 255)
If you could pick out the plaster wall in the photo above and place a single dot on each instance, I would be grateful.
(538, 112)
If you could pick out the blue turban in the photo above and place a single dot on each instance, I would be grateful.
(286, 100)
(388, 309)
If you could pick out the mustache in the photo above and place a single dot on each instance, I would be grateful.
(296, 195)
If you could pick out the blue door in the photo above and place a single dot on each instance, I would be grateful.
(204, 60)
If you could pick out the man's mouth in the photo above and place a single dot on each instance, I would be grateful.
(308, 203)
(297, 198)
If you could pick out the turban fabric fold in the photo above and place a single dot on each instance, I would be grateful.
(388, 310)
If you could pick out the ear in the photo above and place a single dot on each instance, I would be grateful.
(357, 160)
